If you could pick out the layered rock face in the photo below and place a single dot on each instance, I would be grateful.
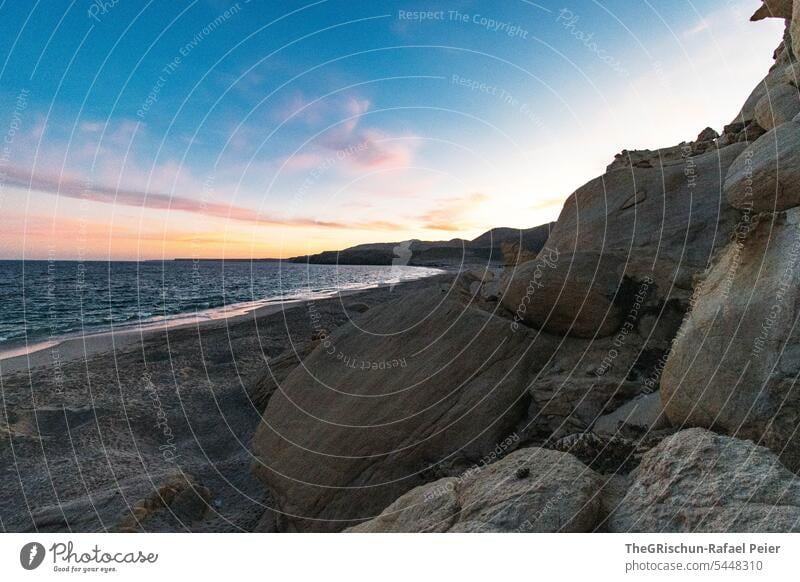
(734, 363)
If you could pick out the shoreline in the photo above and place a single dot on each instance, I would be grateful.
(60, 350)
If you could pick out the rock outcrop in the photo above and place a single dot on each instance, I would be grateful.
(420, 384)
(734, 364)
(773, 9)
(530, 490)
(672, 260)
(778, 106)
(698, 481)
(766, 177)
(583, 294)
(679, 216)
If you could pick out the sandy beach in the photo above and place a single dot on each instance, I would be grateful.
(51, 352)
(96, 430)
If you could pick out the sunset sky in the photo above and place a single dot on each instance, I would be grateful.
(272, 129)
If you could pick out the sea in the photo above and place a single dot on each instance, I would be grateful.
(52, 300)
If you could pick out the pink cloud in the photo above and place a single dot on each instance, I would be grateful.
(72, 187)
(450, 214)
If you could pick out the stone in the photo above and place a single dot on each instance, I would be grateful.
(426, 380)
(778, 106)
(734, 363)
(563, 405)
(698, 481)
(643, 413)
(791, 74)
(766, 176)
(191, 504)
(530, 490)
(678, 216)
(581, 295)
(773, 79)
(708, 134)
(430, 508)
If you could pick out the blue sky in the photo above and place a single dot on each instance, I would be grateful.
(259, 128)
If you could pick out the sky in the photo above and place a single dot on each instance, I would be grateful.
(210, 128)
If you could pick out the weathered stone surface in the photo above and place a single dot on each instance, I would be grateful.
(794, 28)
(766, 177)
(734, 363)
(530, 490)
(582, 295)
(277, 368)
(563, 405)
(774, 79)
(643, 413)
(346, 435)
(778, 106)
(698, 481)
(680, 213)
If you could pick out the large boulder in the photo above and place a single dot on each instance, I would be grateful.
(698, 481)
(530, 490)
(419, 385)
(653, 212)
(734, 363)
(766, 177)
(778, 106)
(776, 77)
(582, 294)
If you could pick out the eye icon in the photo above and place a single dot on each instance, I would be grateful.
(31, 555)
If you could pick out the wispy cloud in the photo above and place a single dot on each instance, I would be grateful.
(83, 189)
(697, 28)
(353, 147)
(452, 214)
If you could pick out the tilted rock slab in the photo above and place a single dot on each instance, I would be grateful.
(349, 431)
(699, 481)
(665, 221)
(766, 177)
(578, 294)
(679, 213)
(530, 490)
(778, 106)
(735, 360)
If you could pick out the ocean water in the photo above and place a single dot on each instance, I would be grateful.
(46, 300)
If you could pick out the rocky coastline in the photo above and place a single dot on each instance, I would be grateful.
(635, 372)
